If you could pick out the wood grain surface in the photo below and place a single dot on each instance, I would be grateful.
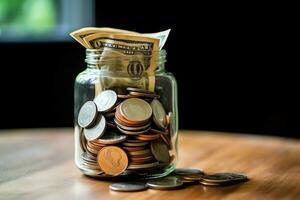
(38, 164)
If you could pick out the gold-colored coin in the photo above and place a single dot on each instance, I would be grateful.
(135, 144)
(159, 114)
(136, 110)
(112, 160)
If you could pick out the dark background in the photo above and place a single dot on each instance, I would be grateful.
(235, 66)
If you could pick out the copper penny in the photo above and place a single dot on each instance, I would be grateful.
(112, 160)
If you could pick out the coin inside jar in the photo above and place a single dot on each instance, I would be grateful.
(112, 137)
(97, 130)
(112, 160)
(87, 114)
(159, 113)
(106, 100)
(136, 110)
(160, 151)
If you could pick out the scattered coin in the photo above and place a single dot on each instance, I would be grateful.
(167, 183)
(97, 130)
(106, 100)
(187, 171)
(87, 114)
(112, 160)
(192, 177)
(128, 186)
(224, 177)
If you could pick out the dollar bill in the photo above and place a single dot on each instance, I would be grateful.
(79, 34)
(162, 36)
(119, 84)
(133, 54)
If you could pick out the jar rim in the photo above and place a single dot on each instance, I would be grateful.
(96, 56)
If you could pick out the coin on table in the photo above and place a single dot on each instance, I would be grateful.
(160, 151)
(192, 177)
(112, 137)
(128, 186)
(187, 171)
(112, 160)
(224, 177)
(167, 183)
(106, 100)
(159, 114)
(97, 130)
(87, 114)
(136, 110)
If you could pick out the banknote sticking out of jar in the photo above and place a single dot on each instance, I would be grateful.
(126, 118)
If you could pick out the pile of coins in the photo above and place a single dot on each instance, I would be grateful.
(122, 133)
(180, 178)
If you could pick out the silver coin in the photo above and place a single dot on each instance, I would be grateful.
(224, 177)
(160, 151)
(187, 171)
(167, 183)
(210, 183)
(87, 114)
(97, 130)
(159, 114)
(128, 186)
(106, 100)
(111, 137)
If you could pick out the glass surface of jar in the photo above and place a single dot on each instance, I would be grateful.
(136, 137)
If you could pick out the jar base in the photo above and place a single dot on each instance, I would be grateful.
(130, 175)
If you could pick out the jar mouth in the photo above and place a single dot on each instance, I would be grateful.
(97, 56)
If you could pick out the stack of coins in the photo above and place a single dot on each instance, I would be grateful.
(125, 133)
(180, 178)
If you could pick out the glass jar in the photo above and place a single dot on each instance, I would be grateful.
(111, 143)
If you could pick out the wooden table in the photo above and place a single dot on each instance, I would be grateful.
(38, 164)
